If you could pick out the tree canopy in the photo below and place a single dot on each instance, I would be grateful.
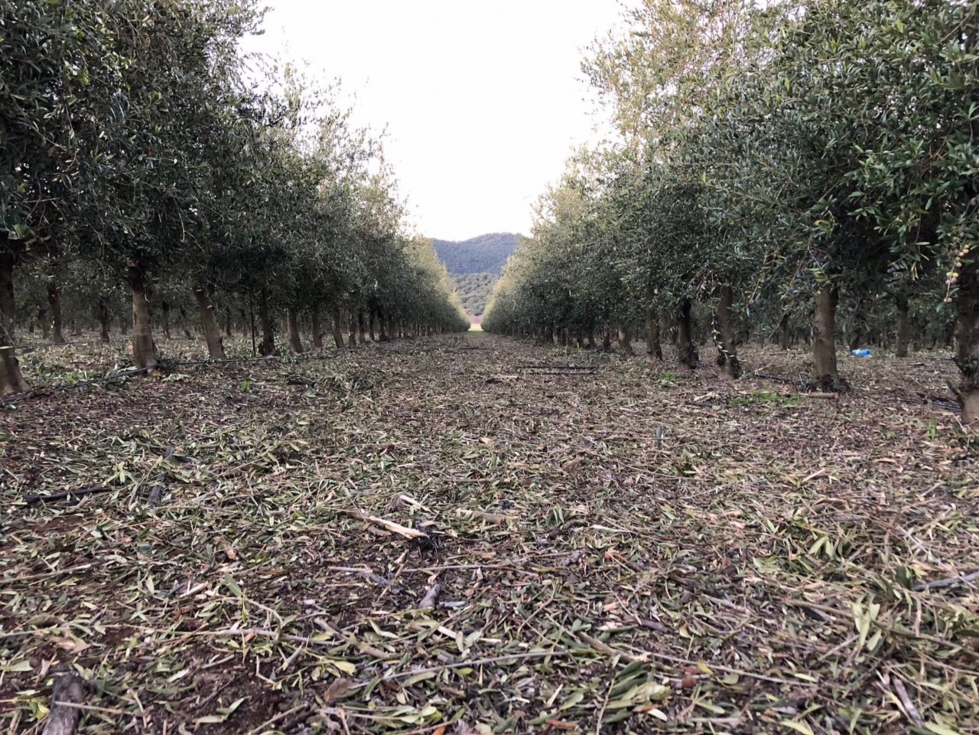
(773, 160)
(141, 153)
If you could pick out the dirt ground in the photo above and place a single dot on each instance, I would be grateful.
(473, 535)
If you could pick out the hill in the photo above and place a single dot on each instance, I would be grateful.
(483, 254)
(475, 265)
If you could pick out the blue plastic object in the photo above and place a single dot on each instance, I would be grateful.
(861, 353)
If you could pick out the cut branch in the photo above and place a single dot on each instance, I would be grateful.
(69, 690)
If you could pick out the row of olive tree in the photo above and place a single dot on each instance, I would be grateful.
(139, 154)
(776, 159)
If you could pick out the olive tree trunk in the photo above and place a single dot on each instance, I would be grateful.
(54, 302)
(267, 346)
(686, 350)
(337, 327)
(823, 343)
(783, 332)
(653, 346)
(8, 307)
(292, 329)
(165, 309)
(103, 319)
(903, 325)
(209, 322)
(184, 322)
(625, 341)
(967, 342)
(361, 337)
(352, 330)
(11, 381)
(317, 328)
(144, 351)
(727, 348)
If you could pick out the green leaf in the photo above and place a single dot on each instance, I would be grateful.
(797, 726)
(18, 667)
(940, 729)
(230, 583)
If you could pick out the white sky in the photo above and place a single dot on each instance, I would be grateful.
(483, 99)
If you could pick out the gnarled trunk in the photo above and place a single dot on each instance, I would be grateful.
(727, 349)
(103, 319)
(144, 351)
(826, 375)
(361, 336)
(967, 341)
(653, 346)
(684, 336)
(267, 346)
(903, 325)
(54, 302)
(625, 341)
(292, 329)
(209, 322)
(372, 320)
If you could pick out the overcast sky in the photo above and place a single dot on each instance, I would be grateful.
(483, 100)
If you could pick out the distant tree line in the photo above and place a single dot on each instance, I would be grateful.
(781, 163)
(146, 159)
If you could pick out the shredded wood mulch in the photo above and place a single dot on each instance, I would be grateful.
(473, 535)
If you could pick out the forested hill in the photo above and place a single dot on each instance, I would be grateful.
(483, 254)
(475, 265)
